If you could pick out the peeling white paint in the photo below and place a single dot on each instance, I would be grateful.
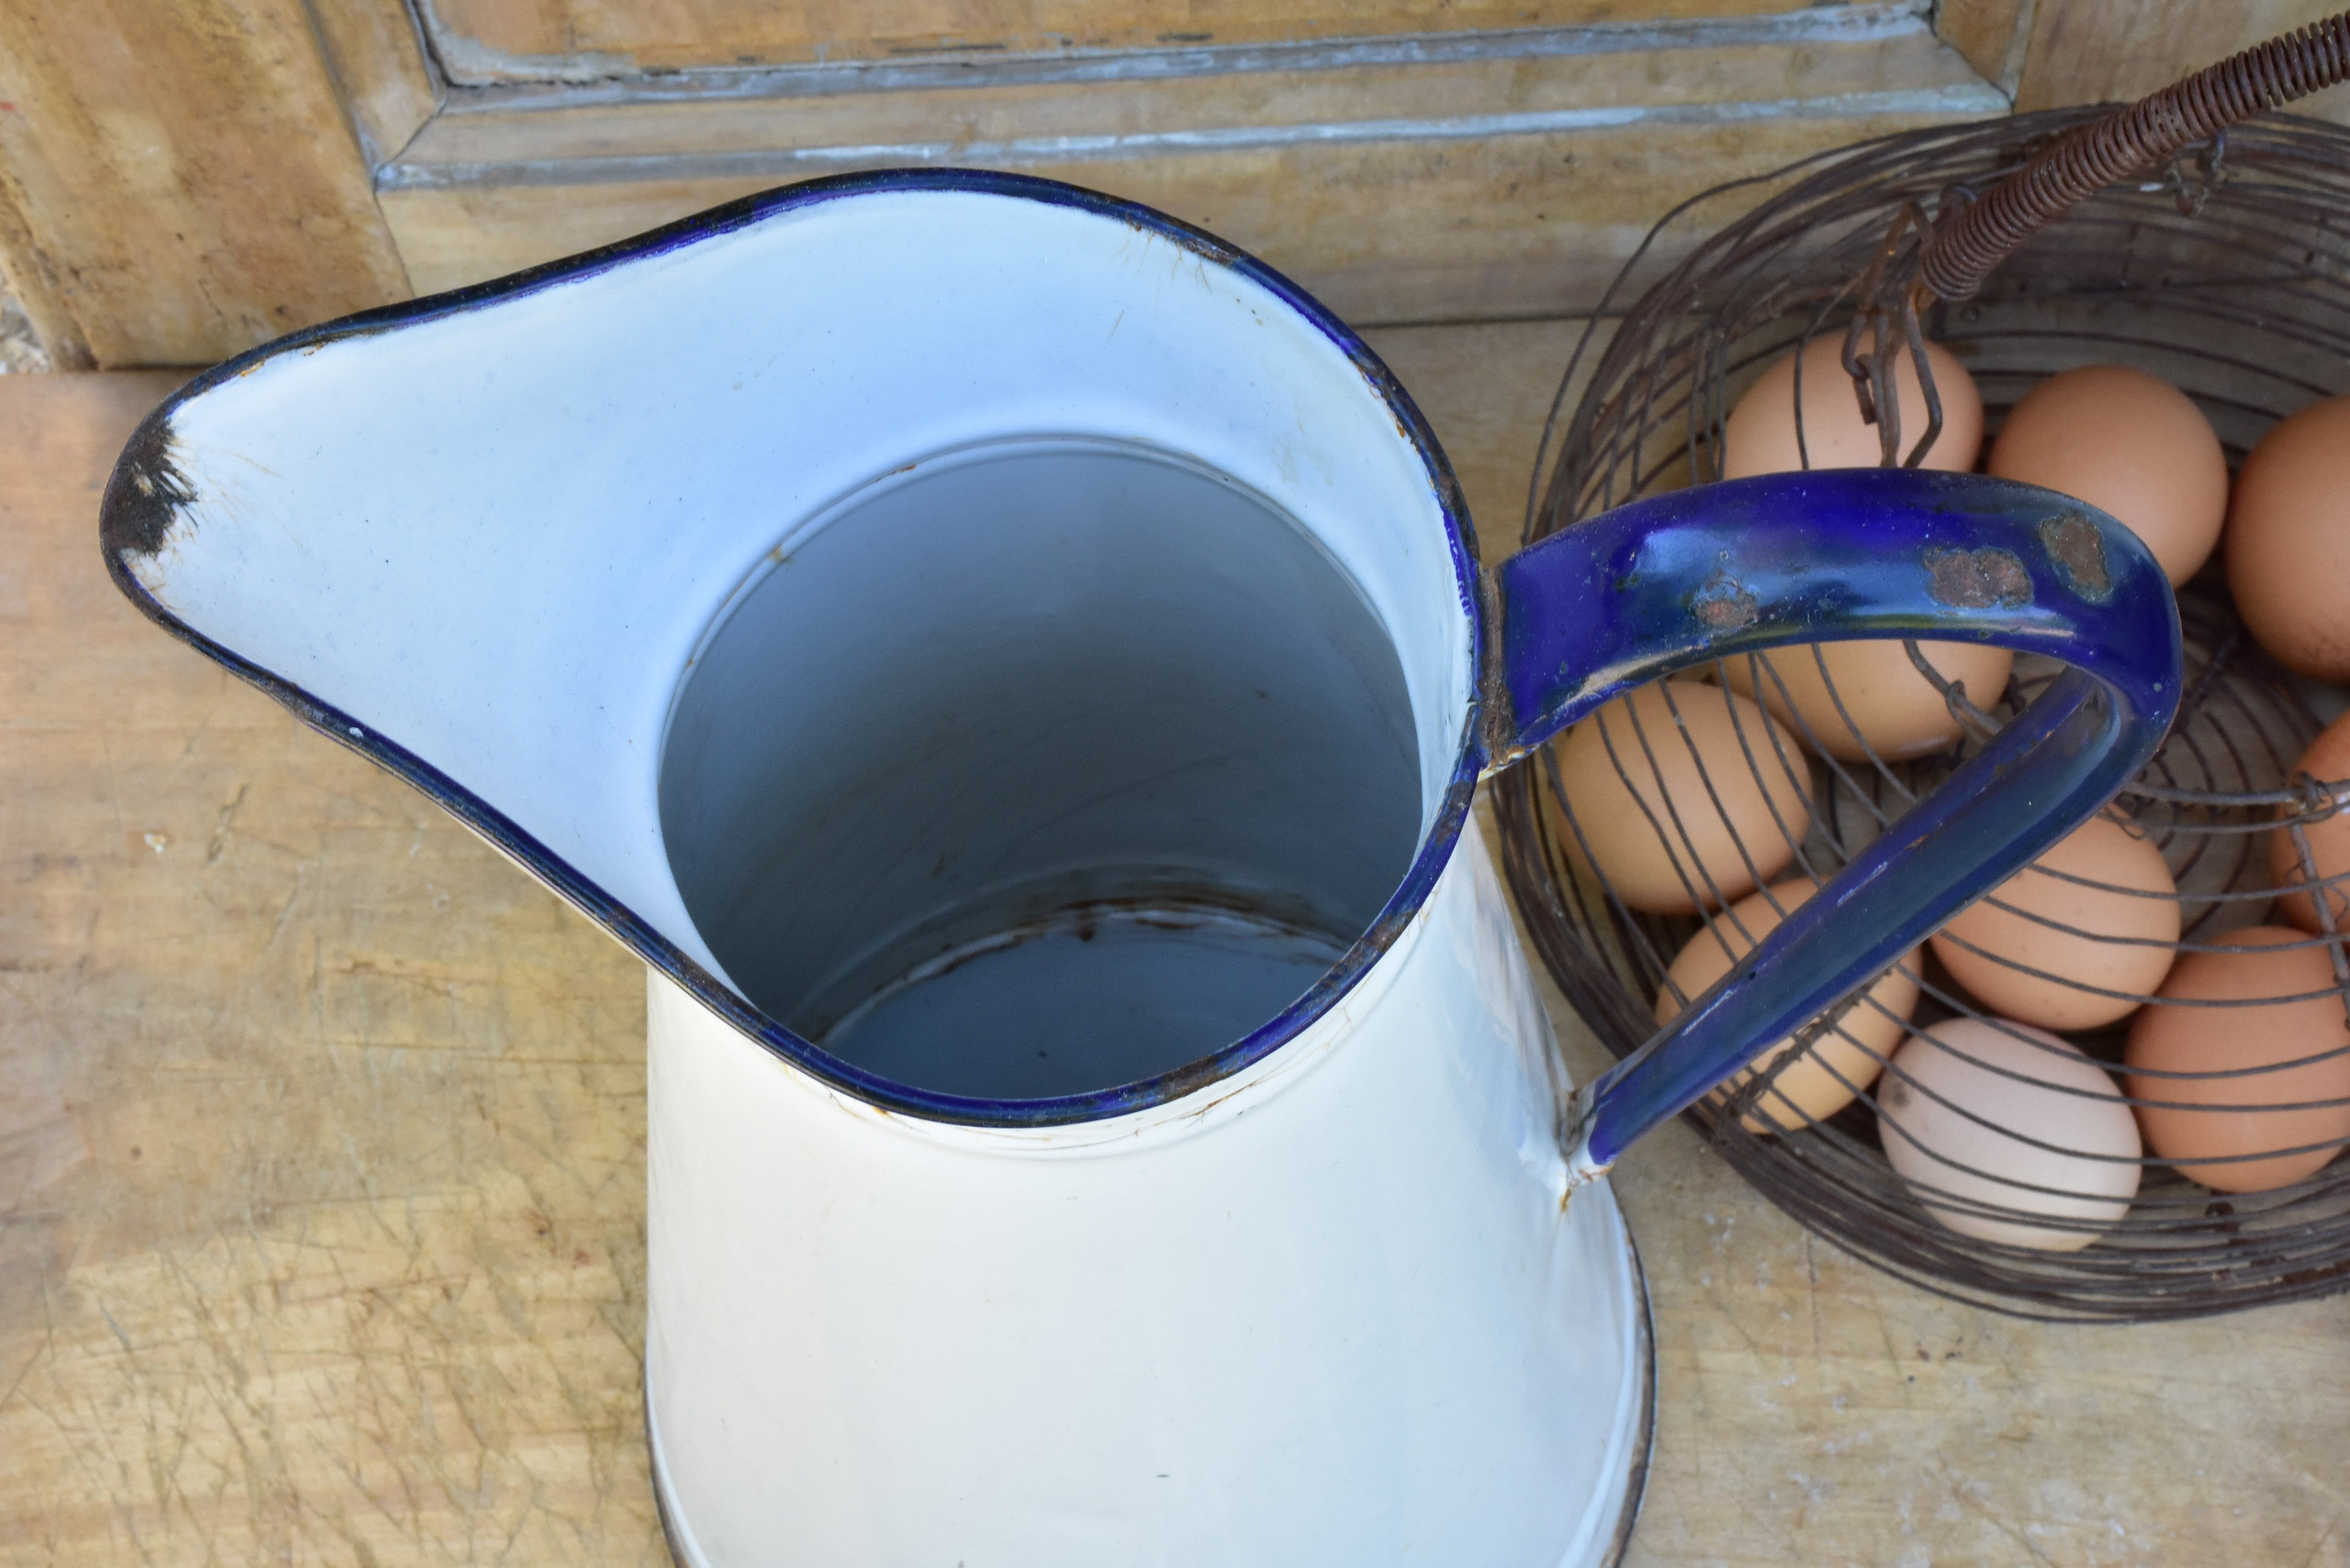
(791, 163)
(488, 78)
(468, 63)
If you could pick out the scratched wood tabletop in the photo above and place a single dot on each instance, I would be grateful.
(322, 1172)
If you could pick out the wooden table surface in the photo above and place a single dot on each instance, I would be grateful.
(322, 1172)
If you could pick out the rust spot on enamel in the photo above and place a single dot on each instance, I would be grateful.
(146, 494)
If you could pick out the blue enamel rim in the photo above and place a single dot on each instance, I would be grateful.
(119, 532)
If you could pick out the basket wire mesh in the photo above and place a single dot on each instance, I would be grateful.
(2226, 272)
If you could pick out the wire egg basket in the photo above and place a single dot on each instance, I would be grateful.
(2225, 270)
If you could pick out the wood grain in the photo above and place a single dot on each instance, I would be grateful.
(1991, 35)
(321, 1173)
(254, 1307)
(2112, 51)
(1533, 225)
(386, 85)
(182, 179)
(505, 40)
(1455, 190)
(32, 279)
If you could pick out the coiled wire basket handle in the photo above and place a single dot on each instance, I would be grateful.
(1924, 262)
(1978, 236)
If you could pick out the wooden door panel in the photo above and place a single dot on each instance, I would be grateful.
(1519, 226)
(1437, 190)
(183, 179)
(1458, 101)
(179, 181)
(503, 40)
(377, 54)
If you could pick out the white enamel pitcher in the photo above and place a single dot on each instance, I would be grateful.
(1016, 670)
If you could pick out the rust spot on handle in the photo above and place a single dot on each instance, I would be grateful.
(1725, 604)
(2078, 548)
(1988, 579)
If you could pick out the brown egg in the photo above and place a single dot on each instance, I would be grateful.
(2134, 903)
(2006, 1124)
(1760, 435)
(1637, 782)
(2327, 760)
(1841, 1063)
(1881, 703)
(2289, 541)
(2129, 443)
(2201, 1121)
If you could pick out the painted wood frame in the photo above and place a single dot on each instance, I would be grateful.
(183, 179)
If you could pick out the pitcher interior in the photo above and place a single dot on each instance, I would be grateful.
(1039, 768)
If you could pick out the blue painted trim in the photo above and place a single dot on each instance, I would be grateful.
(1723, 570)
(127, 527)
(1726, 569)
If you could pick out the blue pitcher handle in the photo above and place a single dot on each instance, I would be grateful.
(1748, 565)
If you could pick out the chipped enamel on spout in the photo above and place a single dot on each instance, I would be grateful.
(1016, 670)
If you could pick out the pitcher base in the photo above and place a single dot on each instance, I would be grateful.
(1616, 1540)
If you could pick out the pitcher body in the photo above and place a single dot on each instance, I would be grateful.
(1333, 1309)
